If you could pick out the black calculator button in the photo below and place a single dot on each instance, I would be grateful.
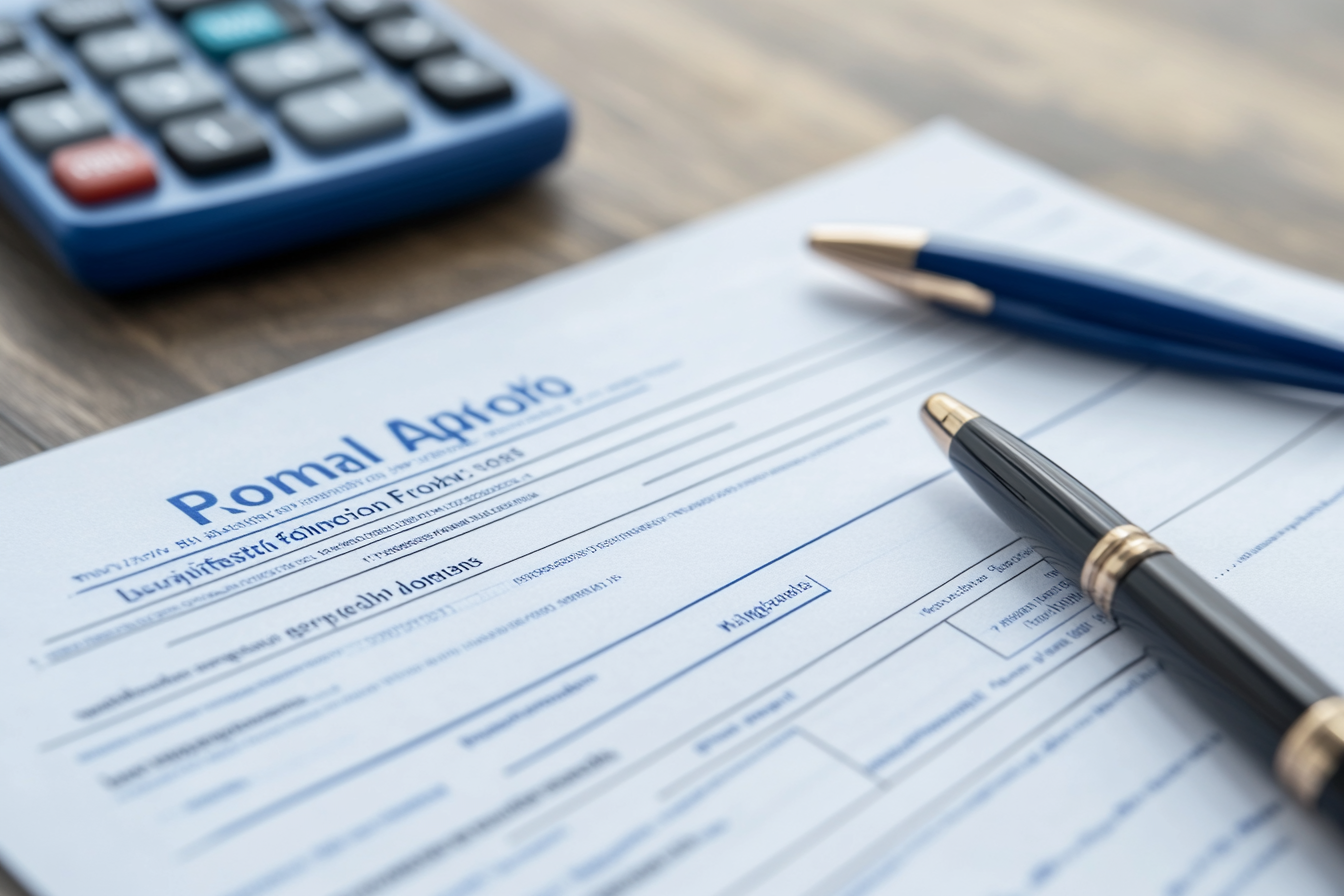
(461, 82)
(71, 18)
(178, 8)
(154, 97)
(341, 114)
(23, 74)
(220, 30)
(111, 54)
(215, 142)
(357, 13)
(272, 71)
(11, 38)
(408, 39)
(53, 120)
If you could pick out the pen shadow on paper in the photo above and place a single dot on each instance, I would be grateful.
(862, 300)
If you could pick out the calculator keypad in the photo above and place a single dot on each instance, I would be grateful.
(358, 13)
(155, 97)
(273, 71)
(339, 115)
(111, 54)
(220, 31)
(71, 18)
(215, 142)
(53, 120)
(23, 74)
(102, 170)
(325, 93)
(178, 8)
(460, 82)
(407, 39)
(10, 36)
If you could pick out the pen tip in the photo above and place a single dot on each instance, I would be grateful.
(945, 416)
(869, 245)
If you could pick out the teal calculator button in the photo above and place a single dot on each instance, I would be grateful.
(223, 30)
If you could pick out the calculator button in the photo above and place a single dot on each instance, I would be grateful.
(460, 82)
(360, 12)
(102, 170)
(408, 39)
(340, 114)
(11, 38)
(52, 120)
(23, 74)
(111, 54)
(215, 142)
(221, 31)
(282, 68)
(178, 8)
(154, 97)
(71, 18)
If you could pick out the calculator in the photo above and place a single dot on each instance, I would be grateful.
(152, 140)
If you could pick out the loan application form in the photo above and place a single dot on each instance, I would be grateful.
(644, 579)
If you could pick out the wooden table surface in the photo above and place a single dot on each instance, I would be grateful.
(1226, 117)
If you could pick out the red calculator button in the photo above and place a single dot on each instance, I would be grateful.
(102, 170)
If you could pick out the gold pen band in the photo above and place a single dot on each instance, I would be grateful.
(1310, 752)
(1111, 559)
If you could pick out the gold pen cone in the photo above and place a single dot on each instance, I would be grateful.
(869, 245)
(944, 416)
(890, 254)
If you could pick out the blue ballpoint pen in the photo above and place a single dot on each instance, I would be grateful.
(1084, 308)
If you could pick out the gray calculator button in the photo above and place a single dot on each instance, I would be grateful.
(340, 114)
(71, 18)
(154, 97)
(215, 142)
(111, 54)
(11, 38)
(460, 82)
(270, 72)
(52, 120)
(408, 39)
(23, 74)
(178, 8)
(361, 12)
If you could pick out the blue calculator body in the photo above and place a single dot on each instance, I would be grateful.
(151, 140)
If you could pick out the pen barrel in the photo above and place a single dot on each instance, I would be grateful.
(1122, 304)
(1240, 675)
(1057, 515)
(1234, 669)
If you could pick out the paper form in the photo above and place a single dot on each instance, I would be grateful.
(644, 578)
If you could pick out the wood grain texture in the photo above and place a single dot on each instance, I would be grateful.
(1226, 117)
